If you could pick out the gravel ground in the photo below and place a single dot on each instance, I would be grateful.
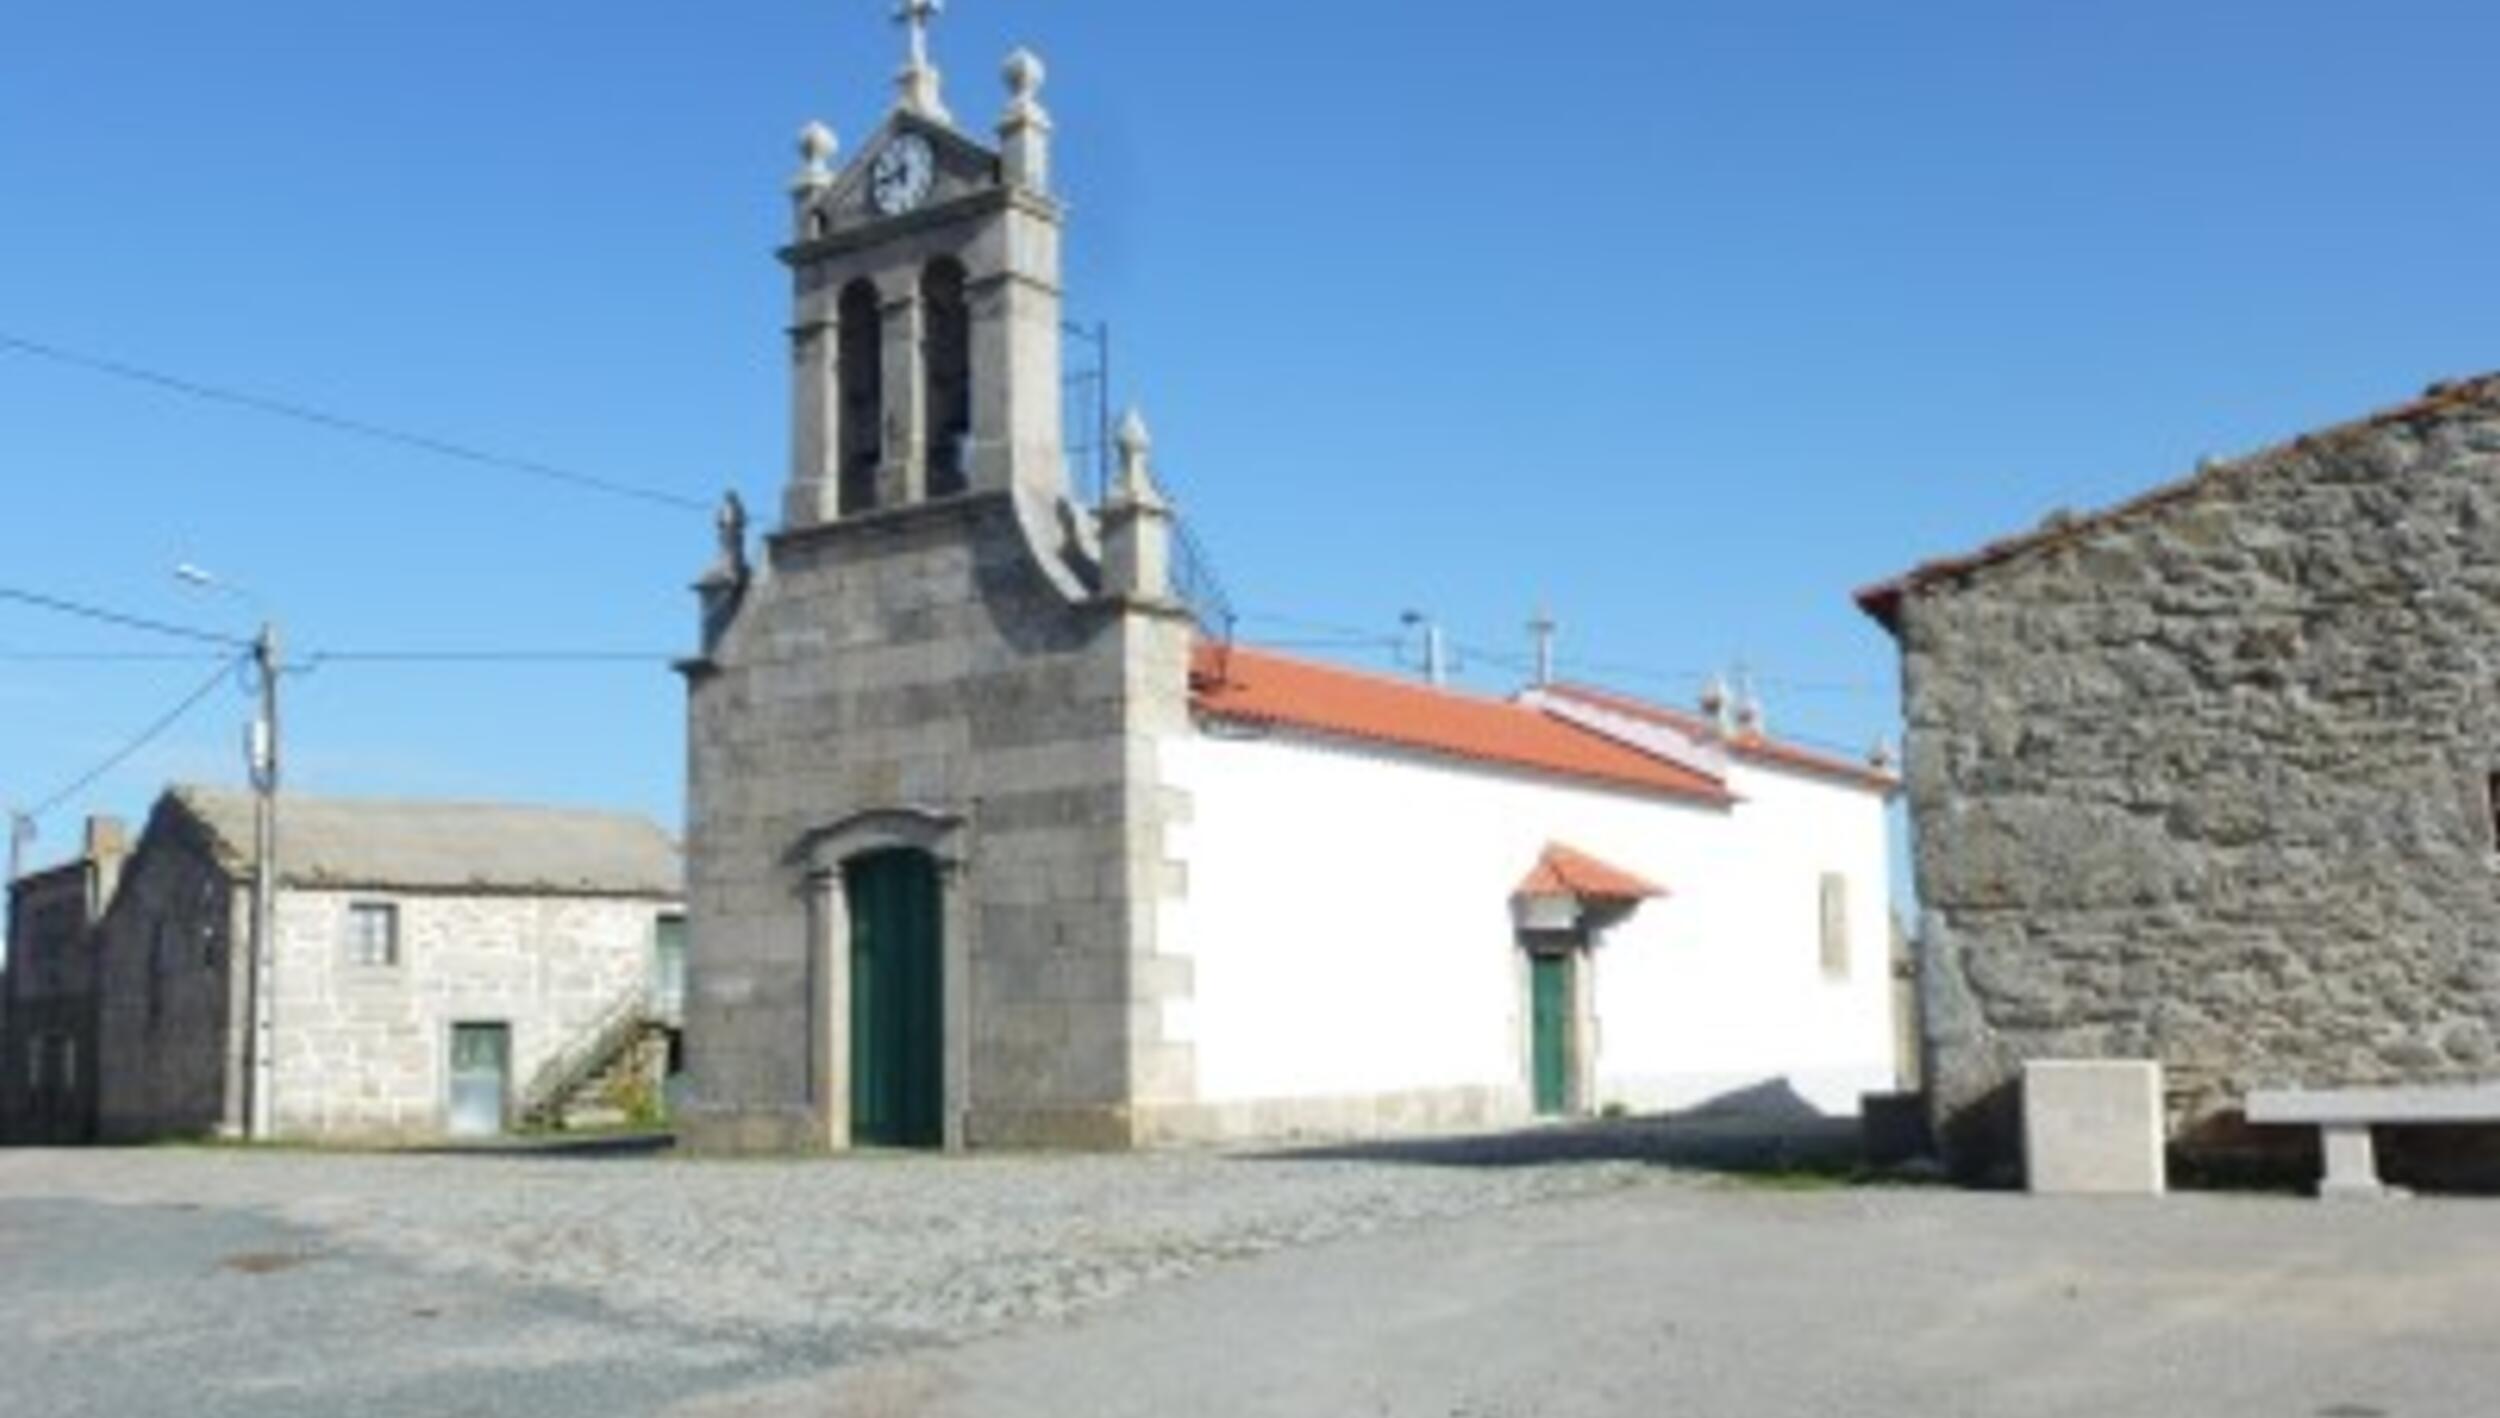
(876, 1254)
(1878, 1303)
(1561, 1274)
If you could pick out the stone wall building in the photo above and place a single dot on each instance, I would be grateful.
(48, 993)
(2210, 778)
(996, 839)
(440, 969)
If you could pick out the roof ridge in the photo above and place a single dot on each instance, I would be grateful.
(1759, 747)
(1383, 678)
(1333, 700)
(1882, 599)
(204, 791)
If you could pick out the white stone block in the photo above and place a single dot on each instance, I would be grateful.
(2093, 1127)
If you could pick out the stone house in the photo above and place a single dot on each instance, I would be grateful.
(996, 837)
(439, 968)
(48, 994)
(2210, 777)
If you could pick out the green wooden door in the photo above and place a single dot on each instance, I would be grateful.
(1549, 978)
(896, 992)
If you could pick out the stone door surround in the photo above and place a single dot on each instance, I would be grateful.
(822, 855)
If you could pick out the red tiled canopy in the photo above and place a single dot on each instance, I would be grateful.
(1567, 871)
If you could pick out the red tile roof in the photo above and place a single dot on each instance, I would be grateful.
(1756, 748)
(1245, 685)
(1567, 871)
(1882, 600)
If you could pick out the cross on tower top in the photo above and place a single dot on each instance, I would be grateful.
(918, 82)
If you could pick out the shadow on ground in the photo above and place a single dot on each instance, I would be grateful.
(1765, 1129)
(557, 1146)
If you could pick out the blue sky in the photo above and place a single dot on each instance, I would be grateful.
(1683, 319)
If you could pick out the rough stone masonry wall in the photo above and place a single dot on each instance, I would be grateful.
(364, 1050)
(920, 659)
(169, 1011)
(2210, 782)
(47, 995)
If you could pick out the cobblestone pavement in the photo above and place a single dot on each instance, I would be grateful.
(1555, 1275)
(608, 1284)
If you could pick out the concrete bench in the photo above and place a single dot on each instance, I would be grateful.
(2344, 1116)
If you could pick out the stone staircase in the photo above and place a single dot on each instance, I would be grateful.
(611, 1076)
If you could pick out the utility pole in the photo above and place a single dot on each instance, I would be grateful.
(260, 761)
(21, 832)
(261, 757)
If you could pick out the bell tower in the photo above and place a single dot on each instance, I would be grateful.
(925, 838)
(925, 338)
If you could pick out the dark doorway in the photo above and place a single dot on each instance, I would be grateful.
(896, 1000)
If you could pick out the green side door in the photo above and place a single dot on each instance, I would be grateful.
(1549, 979)
(896, 1001)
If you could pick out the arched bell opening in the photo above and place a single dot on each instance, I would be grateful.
(946, 374)
(861, 374)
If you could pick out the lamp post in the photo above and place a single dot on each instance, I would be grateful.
(261, 761)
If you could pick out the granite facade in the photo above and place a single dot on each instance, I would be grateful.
(49, 993)
(918, 664)
(2209, 780)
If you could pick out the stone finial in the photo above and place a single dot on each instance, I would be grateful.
(1749, 716)
(723, 586)
(1024, 72)
(1024, 133)
(1136, 484)
(917, 85)
(1881, 757)
(817, 145)
(1137, 522)
(730, 522)
(1714, 704)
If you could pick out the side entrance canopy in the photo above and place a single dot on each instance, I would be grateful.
(1568, 885)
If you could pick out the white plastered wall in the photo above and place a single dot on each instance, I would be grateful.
(1348, 916)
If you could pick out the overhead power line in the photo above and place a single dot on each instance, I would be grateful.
(319, 658)
(341, 423)
(106, 657)
(111, 617)
(146, 736)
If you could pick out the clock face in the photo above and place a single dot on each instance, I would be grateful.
(902, 175)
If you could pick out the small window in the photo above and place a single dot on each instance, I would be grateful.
(373, 933)
(1835, 926)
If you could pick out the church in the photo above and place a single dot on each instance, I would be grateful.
(995, 840)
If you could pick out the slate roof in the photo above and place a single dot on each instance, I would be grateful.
(1882, 601)
(500, 848)
(1246, 685)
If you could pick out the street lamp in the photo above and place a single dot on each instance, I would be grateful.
(260, 752)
